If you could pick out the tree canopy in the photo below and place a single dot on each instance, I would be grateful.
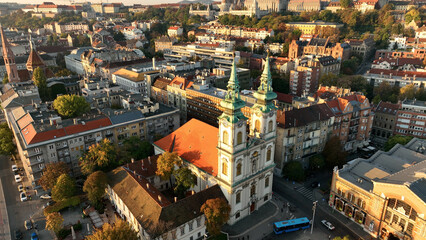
(333, 152)
(64, 188)
(166, 164)
(94, 186)
(121, 230)
(392, 141)
(293, 170)
(6, 140)
(51, 173)
(71, 105)
(217, 214)
(101, 156)
(54, 222)
(135, 148)
(39, 79)
(185, 179)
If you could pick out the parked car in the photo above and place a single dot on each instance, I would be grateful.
(14, 168)
(328, 225)
(45, 196)
(28, 225)
(34, 236)
(18, 178)
(315, 184)
(20, 188)
(18, 235)
(23, 197)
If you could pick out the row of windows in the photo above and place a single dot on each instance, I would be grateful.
(225, 134)
(239, 165)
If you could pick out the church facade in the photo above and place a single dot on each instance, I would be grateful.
(238, 156)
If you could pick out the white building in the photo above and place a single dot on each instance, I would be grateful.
(132, 79)
(175, 31)
(239, 161)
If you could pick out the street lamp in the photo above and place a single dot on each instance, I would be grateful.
(314, 207)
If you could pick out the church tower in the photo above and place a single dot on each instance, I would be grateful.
(263, 119)
(245, 163)
(232, 128)
(9, 59)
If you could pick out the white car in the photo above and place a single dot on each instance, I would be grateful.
(18, 178)
(14, 168)
(20, 188)
(327, 225)
(23, 197)
(45, 196)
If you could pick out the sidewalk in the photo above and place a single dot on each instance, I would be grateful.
(4, 219)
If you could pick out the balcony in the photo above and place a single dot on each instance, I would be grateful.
(60, 146)
(34, 161)
(32, 153)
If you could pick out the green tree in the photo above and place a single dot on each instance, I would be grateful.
(6, 140)
(408, 92)
(71, 105)
(94, 186)
(217, 214)
(135, 148)
(392, 141)
(166, 164)
(51, 173)
(329, 79)
(316, 162)
(411, 15)
(101, 156)
(54, 222)
(345, 3)
(39, 79)
(294, 171)
(5, 79)
(377, 99)
(64, 188)
(185, 179)
(342, 238)
(120, 231)
(333, 153)
(63, 73)
(119, 36)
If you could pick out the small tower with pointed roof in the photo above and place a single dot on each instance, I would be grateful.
(9, 59)
(34, 60)
(263, 120)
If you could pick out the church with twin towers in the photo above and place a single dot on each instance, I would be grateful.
(239, 154)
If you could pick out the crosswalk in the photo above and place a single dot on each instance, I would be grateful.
(306, 192)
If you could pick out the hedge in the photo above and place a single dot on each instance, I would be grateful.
(72, 201)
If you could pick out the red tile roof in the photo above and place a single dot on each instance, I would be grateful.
(282, 97)
(387, 108)
(31, 135)
(196, 143)
(184, 83)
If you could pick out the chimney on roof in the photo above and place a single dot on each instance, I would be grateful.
(149, 160)
(176, 199)
(192, 192)
(147, 185)
(133, 160)
(159, 198)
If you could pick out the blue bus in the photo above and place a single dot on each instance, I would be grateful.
(291, 225)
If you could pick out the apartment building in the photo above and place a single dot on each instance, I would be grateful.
(42, 136)
(385, 118)
(159, 90)
(384, 194)
(319, 47)
(362, 48)
(353, 120)
(310, 27)
(72, 27)
(164, 43)
(304, 79)
(133, 79)
(395, 77)
(302, 133)
(411, 119)
(174, 31)
(177, 95)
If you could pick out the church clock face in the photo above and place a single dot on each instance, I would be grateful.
(225, 123)
(240, 124)
(271, 114)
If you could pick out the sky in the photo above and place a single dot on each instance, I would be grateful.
(125, 2)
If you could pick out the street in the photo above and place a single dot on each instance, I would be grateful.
(19, 211)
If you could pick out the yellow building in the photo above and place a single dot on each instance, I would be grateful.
(385, 194)
(309, 27)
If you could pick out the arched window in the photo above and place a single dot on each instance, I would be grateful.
(239, 165)
(239, 138)
(225, 137)
(268, 154)
(257, 125)
(270, 127)
(225, 168)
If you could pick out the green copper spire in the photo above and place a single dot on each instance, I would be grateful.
(264, 93)
(232, 103)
